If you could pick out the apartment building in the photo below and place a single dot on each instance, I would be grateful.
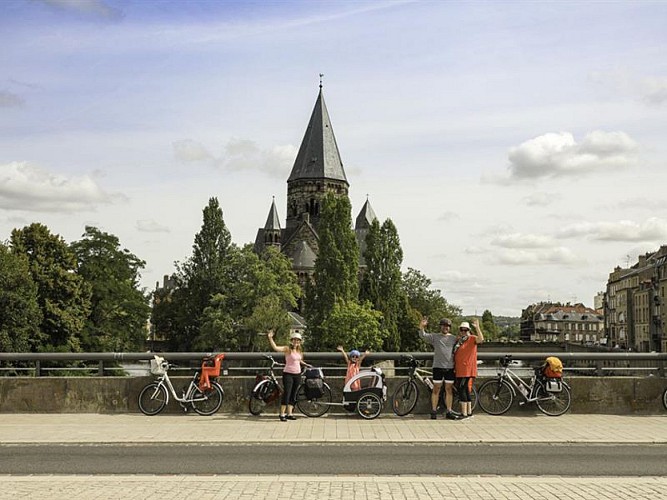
(556, 322)
(634, 304)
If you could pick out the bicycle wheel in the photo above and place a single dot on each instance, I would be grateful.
(369, 405)
(261, 396)
(153, 398)
(495, 397)
(405, 398)
(208, 401)
(315, 407)
(553, 403)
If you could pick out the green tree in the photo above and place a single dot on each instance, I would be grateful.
(62, 294)
(119, 309)
(423, 301)
(20, 315)
(489, 325)
(336, 268)
(260, 291)
(351, 324)
(382, 280)
(199, 278)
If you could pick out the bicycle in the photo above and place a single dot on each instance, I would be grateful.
(552, 396)
(406, 395)
(267, 389)
(202, 394)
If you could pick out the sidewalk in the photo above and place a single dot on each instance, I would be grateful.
(222, 428)
(226, 428)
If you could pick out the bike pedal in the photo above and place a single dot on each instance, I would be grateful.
(521, 403)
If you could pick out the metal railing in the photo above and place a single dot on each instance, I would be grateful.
(102, 363)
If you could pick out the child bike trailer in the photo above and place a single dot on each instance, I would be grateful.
(366, 393)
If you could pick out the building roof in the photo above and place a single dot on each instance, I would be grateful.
(303, 256)
(318, 156)
(366, 216)
(272, 221)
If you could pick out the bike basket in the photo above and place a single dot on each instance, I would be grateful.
(553, 385)
(158, 365)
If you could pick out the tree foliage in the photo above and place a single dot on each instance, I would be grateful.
(382, 279)
(198, 279)
(20, 315)
(336, 268)
(351, 324)
(423, 301)
(62, 294)
(489, 325)
(119, 309)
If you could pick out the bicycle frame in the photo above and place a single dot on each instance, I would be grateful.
(519, 386)
(188, 395)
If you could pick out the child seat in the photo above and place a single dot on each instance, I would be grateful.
(210, 368)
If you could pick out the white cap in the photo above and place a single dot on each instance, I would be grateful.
(465, 324)
(295, 335)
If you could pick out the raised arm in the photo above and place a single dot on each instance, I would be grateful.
(363, 356)
(342, 351)
(279, 348)
(479, 336)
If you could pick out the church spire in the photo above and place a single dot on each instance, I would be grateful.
(318, 156)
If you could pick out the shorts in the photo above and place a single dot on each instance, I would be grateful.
(446, 374)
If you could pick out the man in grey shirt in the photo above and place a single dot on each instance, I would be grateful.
(443, 365)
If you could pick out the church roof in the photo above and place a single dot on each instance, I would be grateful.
(366, 216)
(318, 156)
(272, 221)
(303, 256)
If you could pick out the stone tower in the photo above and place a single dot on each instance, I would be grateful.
(317, 171)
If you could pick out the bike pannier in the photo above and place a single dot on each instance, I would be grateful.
(314, 383)
(553, 385)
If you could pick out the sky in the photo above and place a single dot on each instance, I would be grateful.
(519, 147)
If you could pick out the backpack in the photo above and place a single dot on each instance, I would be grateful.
(314, 386)
(553, 367)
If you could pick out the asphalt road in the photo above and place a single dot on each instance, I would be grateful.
(326, 459)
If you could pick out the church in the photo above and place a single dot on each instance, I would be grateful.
(317, 171)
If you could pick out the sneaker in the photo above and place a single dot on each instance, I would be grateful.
(455, 413)
(283, 418)
(451, 416)
(290, 417)
(434, 415)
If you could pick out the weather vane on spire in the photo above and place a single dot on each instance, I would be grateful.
(321, 75)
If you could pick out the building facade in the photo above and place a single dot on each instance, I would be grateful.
(634, 304)
(555, 322)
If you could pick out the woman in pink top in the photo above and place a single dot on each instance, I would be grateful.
(465, 363)
(291, 373)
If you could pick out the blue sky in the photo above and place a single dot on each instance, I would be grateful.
(518, 146)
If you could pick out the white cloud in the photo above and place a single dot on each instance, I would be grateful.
(188, 150)
(541, 199)
(448, 216)
(518, 240)
(27, 187)
(238, 155)
(654, 91)
(523, 257)
(96, 8)
(643, 203)
(559, 155)
(150, 226)
(652, 229)
(10, 100)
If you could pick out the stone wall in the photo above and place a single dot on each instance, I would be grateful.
(610, 395)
